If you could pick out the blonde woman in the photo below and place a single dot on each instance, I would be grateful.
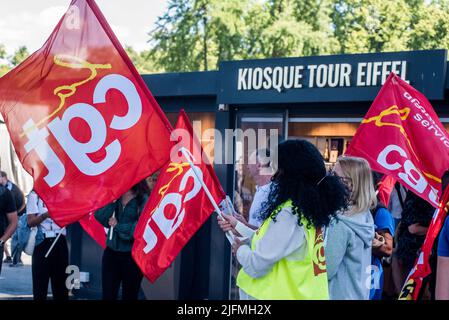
(350, 234)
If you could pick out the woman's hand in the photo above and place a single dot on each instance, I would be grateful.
(378, 241)
(228, 224)
(112, 222)
(236, 245)
(383, 244)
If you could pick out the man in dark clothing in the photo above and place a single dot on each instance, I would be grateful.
(8, 218)
(411, 233)
(416, 218)
(17, 194)
(19, 200)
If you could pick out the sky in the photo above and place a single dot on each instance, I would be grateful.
(30, 22)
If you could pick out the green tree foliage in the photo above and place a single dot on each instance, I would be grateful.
(19, 55)
(11, 61)
(3, 67)
(142, 60)
(298, 28)
(197, 34)
(430, 25)
(194, 35)
(371, 25)
(178, 36)
(2, 51)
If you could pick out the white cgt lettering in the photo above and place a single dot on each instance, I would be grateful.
(418, 183)
(77, 151)
(410, 174)
(37, 141)
(168, 226)
(382, 158)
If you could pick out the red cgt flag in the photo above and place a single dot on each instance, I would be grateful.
(83, 122)
(177, 207)
(401, 136)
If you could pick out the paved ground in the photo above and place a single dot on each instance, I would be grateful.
(16, 283)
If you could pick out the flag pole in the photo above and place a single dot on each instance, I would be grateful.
(112, 228)
(229, 234)
(54, 242)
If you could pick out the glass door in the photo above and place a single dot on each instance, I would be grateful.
(258, 131)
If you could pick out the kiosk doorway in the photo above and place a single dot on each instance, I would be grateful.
(330, 135)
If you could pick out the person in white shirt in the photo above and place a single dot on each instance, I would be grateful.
(54, 266)
(260, 168)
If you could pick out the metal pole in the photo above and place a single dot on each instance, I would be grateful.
(229, 234)
(112, 228)
(53, 244)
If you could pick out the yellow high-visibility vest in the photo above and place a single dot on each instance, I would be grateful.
(289, 279)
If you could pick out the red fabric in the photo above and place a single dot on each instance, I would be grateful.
(94, 228)
(413, 284)
(109, 132)
(385, 187)
(401, 136)
(177, 207)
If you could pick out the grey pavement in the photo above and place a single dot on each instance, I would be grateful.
(16, 282)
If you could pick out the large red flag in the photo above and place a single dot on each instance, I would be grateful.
(82, 120)
(177, 207)
(401, 136)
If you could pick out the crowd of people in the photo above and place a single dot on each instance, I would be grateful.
(326, 235)
(309, 234)
(50, 256)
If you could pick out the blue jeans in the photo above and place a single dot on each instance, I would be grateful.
(1, 259)
(16, 249)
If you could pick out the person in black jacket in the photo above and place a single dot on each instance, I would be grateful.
(411, 234)
(8, 218)
(118, 265)
(19, 199)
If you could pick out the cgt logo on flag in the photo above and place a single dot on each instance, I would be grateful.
(399, 136)
(408, 292)
(409, 173)
(178, 206)
(77, 151)
(82, 120)
(318, 257)
(167, 225)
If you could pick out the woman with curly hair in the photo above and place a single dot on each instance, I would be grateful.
(285, 256)
(350, 235)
